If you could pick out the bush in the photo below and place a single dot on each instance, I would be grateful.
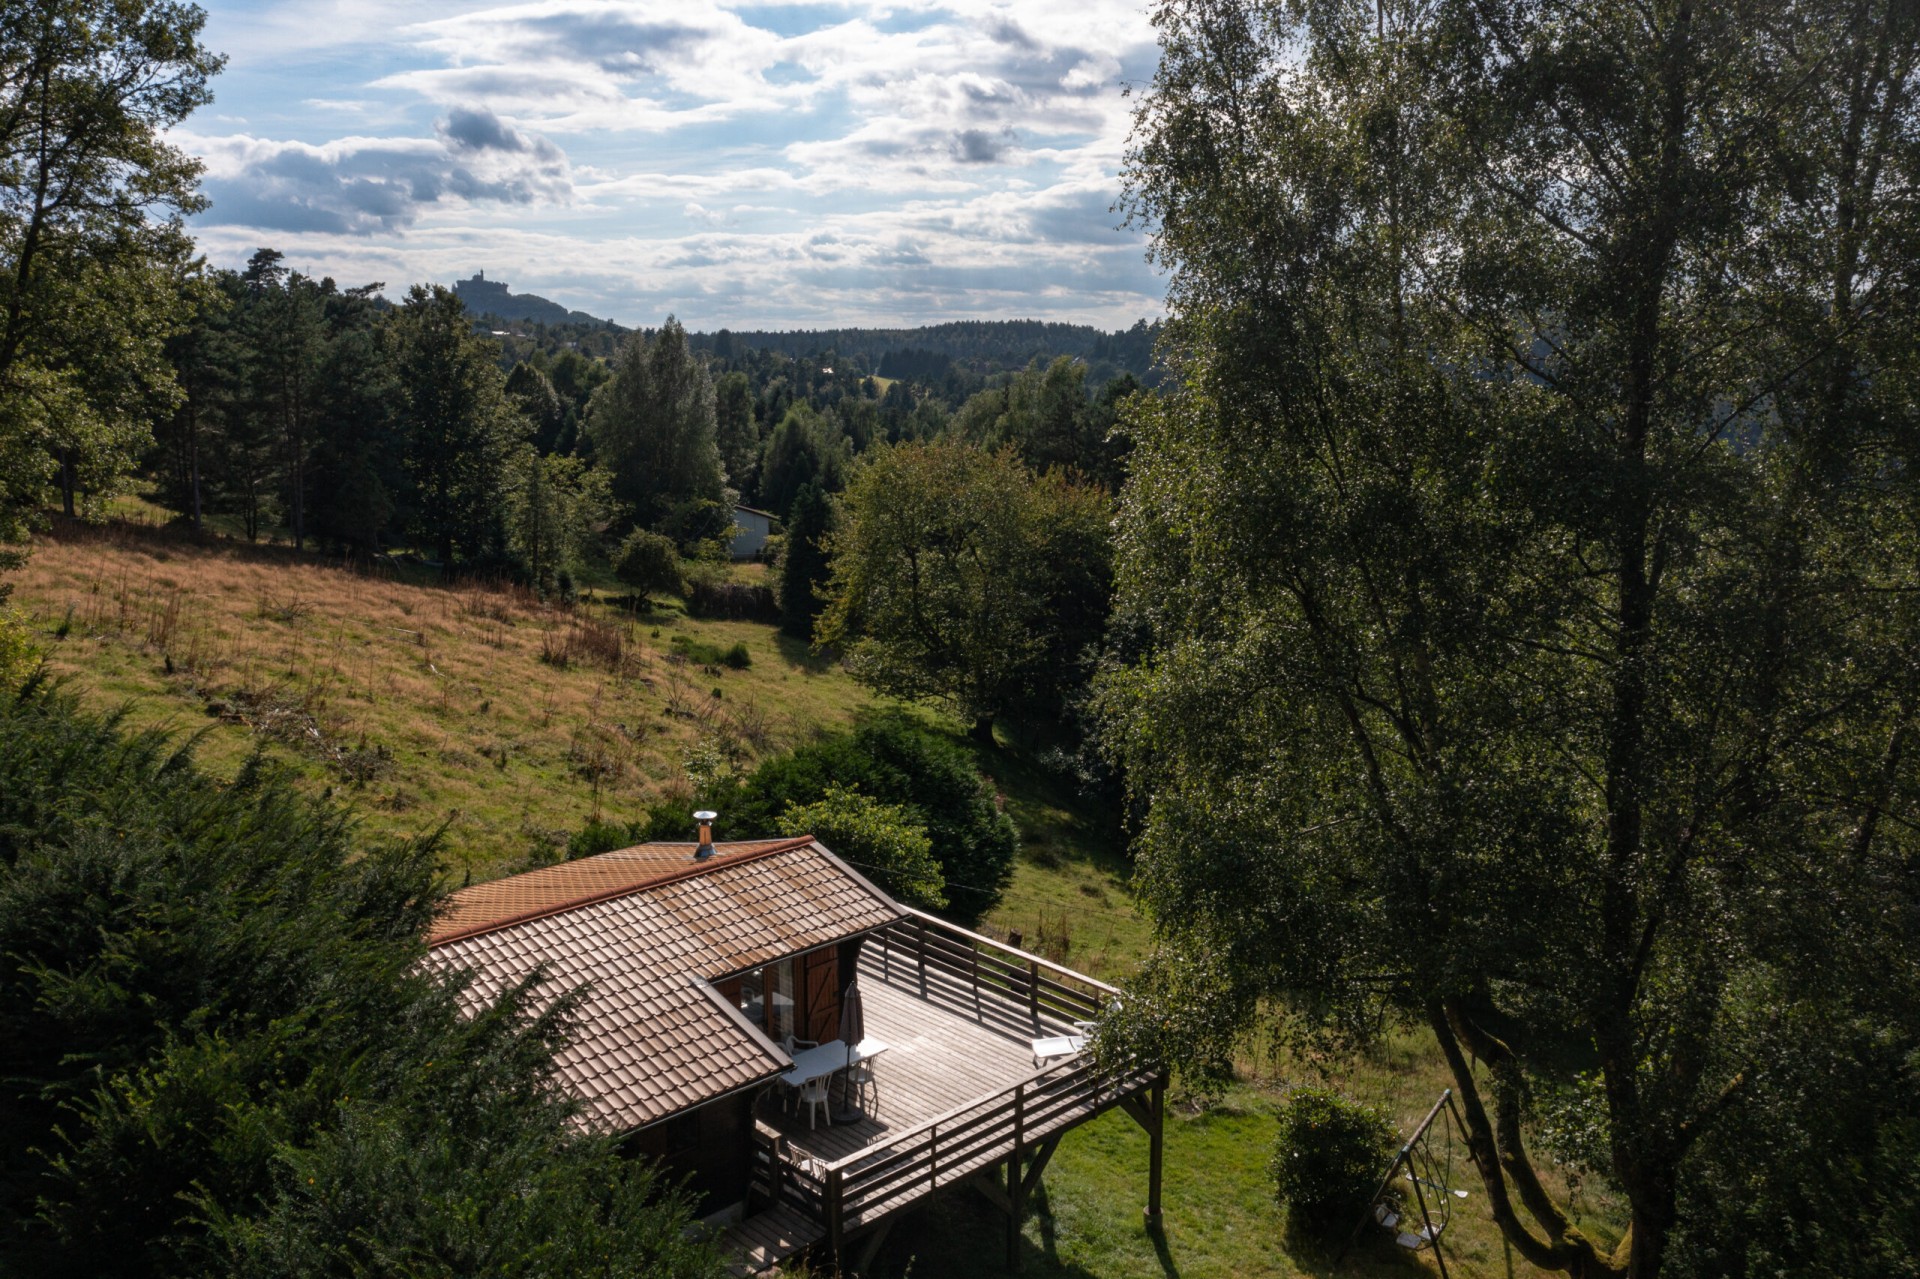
(649, 563)
(737, 657)
(732, 601)
(882, 841)
(18, 656)
(1328, 1160)
(219, 1053)
(893, 759)
(697, 526)
(599, 837)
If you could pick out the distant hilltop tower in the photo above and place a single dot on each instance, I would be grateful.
(490, 297)
(482, 295)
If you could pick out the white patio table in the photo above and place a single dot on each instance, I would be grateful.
(811, 1063)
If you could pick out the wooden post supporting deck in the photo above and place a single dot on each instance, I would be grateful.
(834, 1223)
(1016, 1190)
(1156, 1143)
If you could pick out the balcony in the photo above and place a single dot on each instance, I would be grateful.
(960, 1098)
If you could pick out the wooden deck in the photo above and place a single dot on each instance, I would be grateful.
(959, 1096)
(940, 1055)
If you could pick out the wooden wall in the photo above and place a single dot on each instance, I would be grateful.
(711, 1145)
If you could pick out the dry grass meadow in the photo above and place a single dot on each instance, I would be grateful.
(474, 705)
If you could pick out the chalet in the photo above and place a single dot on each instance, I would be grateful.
(712, 966)
(751, 528)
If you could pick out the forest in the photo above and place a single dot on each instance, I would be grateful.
(1483, 611)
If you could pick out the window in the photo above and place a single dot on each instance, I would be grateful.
(766, 999)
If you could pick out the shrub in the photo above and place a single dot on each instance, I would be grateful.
(737, 657)
(649, 563)
(895, 760)
(599, 837)
(219, 1053)
(18, 656)
(732, 601)
(1328, 1159)
(880, 840)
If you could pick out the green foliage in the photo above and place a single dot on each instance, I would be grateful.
(221, 1053)
(652, 426)
(598, 837)
(706, 653)
(1516, 608)
(895, 761)
(735, 431)
(804, 564)
(959, 576)
(803, 449)
(649, 563)
(19, 655)
(93, 258)
(458, 425)
(881, 840)
(555, 509)
(701, 527)
(1328, 1160)
(1044, 413)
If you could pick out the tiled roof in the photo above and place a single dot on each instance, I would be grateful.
(639, 926)
(556, 887)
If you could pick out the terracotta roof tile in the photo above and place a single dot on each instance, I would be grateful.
(635, 925)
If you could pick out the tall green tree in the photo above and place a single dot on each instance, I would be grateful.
(457, 422)
(736, 431)
(281, 329)
(556, 510)
(1523, 558)
(959, 576)
(653, 427)
(92, 253)
(804, 563)
(803, 449)
(358, 471)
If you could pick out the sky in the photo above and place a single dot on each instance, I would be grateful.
(741, 165)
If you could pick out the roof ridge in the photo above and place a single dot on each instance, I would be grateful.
(624, 890)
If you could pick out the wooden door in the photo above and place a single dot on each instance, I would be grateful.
(820, 995)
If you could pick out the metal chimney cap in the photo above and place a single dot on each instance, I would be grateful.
(705, 815)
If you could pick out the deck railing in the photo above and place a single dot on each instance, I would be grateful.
(1018, 981)
(1019, 991)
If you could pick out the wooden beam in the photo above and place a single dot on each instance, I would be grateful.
(1041, 1153)
(1156, 1144)
(872, 1246)
(987, 1182)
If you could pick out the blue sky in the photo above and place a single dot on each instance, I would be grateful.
(746, 165)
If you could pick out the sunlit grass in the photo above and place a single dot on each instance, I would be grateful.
(416, 702)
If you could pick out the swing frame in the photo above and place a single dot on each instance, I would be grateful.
(1404, 1158)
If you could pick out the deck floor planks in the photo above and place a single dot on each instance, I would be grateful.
(942, 1056)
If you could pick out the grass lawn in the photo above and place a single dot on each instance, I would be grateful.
(508, 721)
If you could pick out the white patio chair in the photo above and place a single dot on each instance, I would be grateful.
(792, 1045)
(1052, 1046)
(860, 1078)
(813, 1095)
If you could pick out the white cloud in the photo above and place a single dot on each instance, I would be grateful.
(729, 162)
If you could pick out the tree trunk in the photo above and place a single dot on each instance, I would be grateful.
(193, 465)
(66, 481)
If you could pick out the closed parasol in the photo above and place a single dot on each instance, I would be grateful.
(853, 1022)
